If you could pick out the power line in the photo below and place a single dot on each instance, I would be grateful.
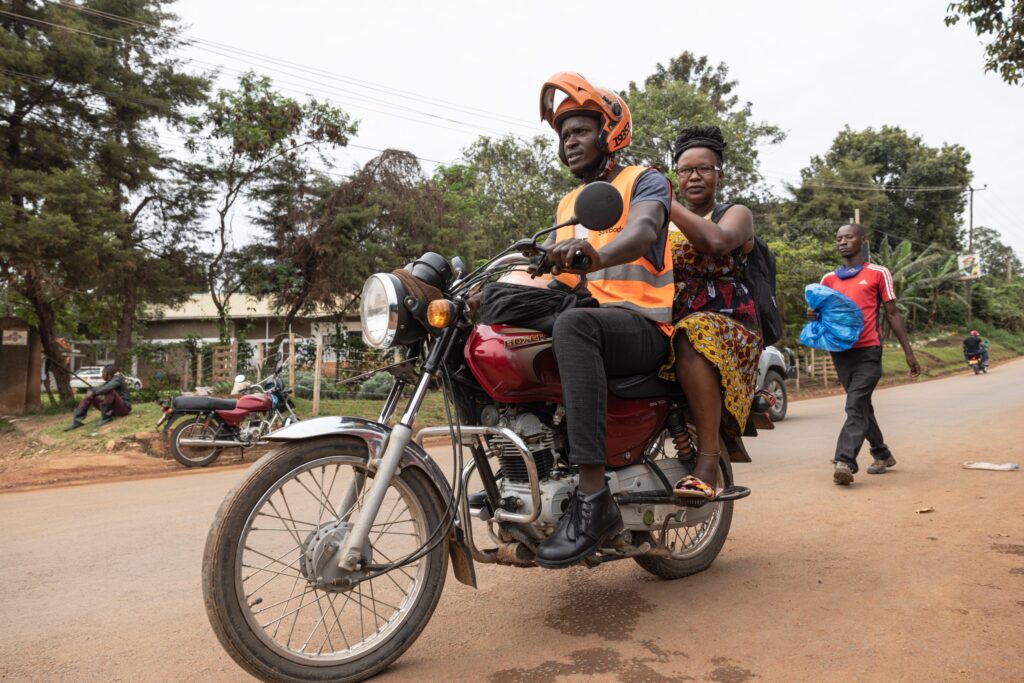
(249, 55)
(23, 76)
(465, 124)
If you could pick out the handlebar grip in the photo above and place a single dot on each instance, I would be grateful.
(581, 262)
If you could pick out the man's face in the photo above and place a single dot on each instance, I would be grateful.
(107, 375)
(849, 241)
(579, 142)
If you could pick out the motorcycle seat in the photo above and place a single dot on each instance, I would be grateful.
(202, 403)
(644, 386)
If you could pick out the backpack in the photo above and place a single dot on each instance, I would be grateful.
(759, 273)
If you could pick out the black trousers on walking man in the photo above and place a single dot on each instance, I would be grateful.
(859, 371)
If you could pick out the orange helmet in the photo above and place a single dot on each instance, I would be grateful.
(581, 96)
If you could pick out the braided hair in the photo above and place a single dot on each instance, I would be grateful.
(709, 137)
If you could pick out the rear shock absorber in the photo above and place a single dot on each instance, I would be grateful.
(675, 422)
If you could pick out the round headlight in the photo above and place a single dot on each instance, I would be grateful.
(378, 311)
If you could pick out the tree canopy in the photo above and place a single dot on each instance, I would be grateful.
(1004, 22)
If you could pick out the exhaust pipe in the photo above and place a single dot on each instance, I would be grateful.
(215, 443)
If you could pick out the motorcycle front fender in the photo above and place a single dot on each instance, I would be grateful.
(375, 435)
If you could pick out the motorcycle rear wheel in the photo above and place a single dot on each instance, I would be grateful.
(694, 548)
(256, 595)
(195, 428)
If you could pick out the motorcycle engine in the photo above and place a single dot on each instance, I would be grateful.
(539, 428)
(543, 441)
(251, 432)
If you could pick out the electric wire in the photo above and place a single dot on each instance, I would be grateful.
(250, 54)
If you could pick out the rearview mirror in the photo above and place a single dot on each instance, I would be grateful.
(598, 206)
(239, 379)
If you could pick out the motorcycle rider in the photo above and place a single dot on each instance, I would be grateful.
(630, 274)
(975, 345)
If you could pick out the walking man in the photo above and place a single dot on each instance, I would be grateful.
(860, 367)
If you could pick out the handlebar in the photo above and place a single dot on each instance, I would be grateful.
(540, 264)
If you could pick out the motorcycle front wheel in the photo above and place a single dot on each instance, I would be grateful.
(199, 427)
(275, 538)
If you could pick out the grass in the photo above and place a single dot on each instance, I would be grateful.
(938, 359)
(144, 417)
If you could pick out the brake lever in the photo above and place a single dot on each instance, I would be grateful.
(541, 265)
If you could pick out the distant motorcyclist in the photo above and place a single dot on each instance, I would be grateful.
(974, 345)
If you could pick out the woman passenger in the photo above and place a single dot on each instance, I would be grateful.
(716, 343)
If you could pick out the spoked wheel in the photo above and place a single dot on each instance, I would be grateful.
(275, 594)
(696, 543)
(198, 427)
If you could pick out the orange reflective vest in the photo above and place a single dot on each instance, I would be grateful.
(639, 285)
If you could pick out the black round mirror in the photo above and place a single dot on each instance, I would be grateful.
(598, 206)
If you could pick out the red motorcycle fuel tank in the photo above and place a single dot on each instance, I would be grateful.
(517, 365)
(250, 403)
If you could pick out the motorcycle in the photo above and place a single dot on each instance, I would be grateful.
(326, 561)
(213, 424)
(975, 363)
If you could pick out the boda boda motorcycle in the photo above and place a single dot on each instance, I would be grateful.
(212, 424)
(327, 559)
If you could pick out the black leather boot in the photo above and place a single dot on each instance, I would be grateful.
(588, 521)
(76, 418)
(106, 414)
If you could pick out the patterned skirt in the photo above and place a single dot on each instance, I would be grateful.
(732, 348)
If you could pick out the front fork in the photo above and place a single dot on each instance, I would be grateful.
(385, 467)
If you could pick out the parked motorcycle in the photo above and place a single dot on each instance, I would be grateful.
(202, 426)
(975, 362)
(327, 559)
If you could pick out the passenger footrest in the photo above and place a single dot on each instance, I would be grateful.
(659, 498)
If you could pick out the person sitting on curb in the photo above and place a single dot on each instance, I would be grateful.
(112, 399)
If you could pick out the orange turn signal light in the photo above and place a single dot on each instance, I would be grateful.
(440, 313)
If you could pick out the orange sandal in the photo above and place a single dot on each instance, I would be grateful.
(692, 487)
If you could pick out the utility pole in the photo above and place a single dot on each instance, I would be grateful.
(970, 246)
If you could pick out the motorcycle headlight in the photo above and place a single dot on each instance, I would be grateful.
(382, 311)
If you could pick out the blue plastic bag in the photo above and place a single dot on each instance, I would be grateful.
(839, 320)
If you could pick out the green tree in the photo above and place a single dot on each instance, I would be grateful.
(1002, 20)
(501, 190)
(921, 279)
(82, 173)
(827, 197)
(799, 262)
(246, 136)
(691, 91)
(998, 260)
(328, 238)
(922, 187)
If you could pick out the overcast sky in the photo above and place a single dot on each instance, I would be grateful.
(809, 67)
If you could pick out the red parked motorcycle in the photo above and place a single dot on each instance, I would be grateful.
(212, 424)
(325, 562)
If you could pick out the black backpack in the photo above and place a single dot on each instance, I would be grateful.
(759, 272)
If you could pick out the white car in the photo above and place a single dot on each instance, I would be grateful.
(93, 374)
(774, 366)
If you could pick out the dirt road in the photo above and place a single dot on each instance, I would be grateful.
(816, 582)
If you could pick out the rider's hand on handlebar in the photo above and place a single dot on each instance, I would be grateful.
(570, 256)
(812, 314)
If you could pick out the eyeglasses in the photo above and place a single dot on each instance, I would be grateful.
(704, 171)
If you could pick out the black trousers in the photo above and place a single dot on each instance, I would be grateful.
(592, 344)
(859, 371)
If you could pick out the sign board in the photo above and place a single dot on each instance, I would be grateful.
(15, 338)
(969, 266)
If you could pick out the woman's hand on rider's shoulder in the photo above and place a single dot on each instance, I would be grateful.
(562, 254)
